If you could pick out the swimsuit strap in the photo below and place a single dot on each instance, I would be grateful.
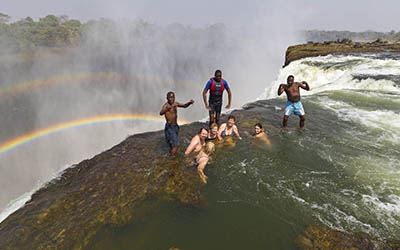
(232, 133)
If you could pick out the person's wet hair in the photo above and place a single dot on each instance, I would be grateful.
(170, 93)
(290, 76)
(202, 130)
(213, 125)
(231, 117)
(258, 125)
(217, 71)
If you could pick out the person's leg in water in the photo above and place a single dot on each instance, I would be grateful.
(288, 112)
(173, 151)
(302, 120)
(285, 121)
(202, 161)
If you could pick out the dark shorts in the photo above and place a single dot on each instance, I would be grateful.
(171, 135)
(215, 105)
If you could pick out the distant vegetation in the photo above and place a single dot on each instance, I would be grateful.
(60, 31)
(366, 36)
(49, 31)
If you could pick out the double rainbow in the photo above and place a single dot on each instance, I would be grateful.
(29, 137)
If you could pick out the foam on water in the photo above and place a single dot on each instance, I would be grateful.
(330, 72)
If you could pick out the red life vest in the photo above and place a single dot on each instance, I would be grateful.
(217, 87)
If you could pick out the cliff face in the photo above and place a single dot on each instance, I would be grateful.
(346, 47)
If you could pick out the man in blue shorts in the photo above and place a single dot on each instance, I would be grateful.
(169, 109)
(293, 104)
(216, 85)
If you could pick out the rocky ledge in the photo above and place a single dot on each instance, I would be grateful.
(345, 46)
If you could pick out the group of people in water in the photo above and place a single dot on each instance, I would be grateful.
(203, 143)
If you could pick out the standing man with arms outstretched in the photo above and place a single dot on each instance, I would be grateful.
(169, 109)
(293, 104)
(216, 85)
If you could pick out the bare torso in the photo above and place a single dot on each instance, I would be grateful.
(171, 115)
(292, 92)
(199, 144)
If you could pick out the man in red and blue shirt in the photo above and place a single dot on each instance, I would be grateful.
(216, 85)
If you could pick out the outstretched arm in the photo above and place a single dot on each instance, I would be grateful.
(304, 85)
(281, 89)
(229, 99)
(236, 131)
(191, 146)
(186, 104)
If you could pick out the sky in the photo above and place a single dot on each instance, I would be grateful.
(353, 15)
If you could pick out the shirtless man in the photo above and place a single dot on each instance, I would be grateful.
(169, 109)
(198, 141)
(293, 105)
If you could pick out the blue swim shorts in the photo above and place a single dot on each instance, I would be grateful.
(294, 107)
(171, 135)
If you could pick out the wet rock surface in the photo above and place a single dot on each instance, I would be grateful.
(322, 237)
(127, 182)
(114, 187)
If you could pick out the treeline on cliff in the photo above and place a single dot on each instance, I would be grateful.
(365, 36)
(49, 31)
(60, 31)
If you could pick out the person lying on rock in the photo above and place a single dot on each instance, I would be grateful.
(197, 142)
(171, 130)
(202, 159)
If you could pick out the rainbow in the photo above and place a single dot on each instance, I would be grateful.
(18, 88)
(29, 137)
(64, 79)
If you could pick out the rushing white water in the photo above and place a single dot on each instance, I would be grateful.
(363, 90)
(335, 72)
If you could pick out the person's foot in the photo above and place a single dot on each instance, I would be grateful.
(203, 178)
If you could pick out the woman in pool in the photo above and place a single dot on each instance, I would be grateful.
(260, 134)
(212, 135)
(228, 129)
(203, 158)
